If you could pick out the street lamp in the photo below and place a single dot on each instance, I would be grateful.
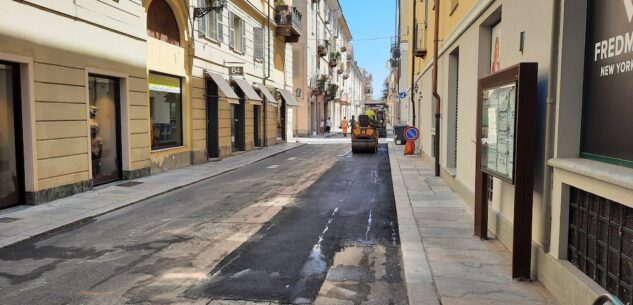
(218, 5)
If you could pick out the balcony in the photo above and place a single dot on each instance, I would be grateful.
(288, 23)
(323, 47)
(420, 43)
(331, 93)
(335, 59)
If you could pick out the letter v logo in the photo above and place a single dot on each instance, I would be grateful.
(628, 5)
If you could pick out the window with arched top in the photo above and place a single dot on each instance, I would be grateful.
(161, 23)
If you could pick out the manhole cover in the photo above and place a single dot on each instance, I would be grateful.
(129, 184)
(7, 219)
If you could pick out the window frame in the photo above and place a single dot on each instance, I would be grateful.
(182, 113)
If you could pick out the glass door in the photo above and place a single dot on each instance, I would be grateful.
(105, 133)
(11, 167)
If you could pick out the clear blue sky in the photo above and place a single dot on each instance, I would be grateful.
(372, 23)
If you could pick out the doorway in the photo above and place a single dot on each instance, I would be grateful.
(11, 152)
(213, 142)
(281, 128)
(256, 123)
(238, 125)
(105, 129)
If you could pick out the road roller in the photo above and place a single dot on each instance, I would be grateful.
(364, 135)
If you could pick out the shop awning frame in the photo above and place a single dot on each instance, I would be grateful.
(270, 98)
(289, 98)
(224, 86)
(251, 96)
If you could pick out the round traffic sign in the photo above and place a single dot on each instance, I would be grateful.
(411, 133)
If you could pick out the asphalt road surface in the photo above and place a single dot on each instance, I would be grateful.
(315, 225)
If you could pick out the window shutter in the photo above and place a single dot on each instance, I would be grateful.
(231, 30)
(220, 28)
(258, 43)
(243, 35)
(202, 22)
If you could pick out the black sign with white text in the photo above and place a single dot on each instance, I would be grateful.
(608, 105)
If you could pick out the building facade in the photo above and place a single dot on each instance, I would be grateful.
(326, 77)
(583, 196)
(141, 92)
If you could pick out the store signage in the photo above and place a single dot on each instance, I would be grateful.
(164, 83)
(234, 71)
(608, 104)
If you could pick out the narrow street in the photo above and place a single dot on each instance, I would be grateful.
(314, 225)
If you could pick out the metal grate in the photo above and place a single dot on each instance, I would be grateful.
(7, 219)
(129, 184)
(601, 242)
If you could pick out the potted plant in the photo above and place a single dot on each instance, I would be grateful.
(344, 49)
(334, 59)
(322, 49)
(281, 6)
(321, 84)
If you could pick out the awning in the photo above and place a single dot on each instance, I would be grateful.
(289, 98)
(224, 87)
(251, 96)
(269, 96)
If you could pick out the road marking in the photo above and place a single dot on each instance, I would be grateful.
(292, 158)
(273, 166)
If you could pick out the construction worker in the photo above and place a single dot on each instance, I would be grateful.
(344, 126)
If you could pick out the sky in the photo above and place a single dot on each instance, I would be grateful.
(372, 23)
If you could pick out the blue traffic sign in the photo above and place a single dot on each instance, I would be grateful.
(403, 94)
(411, 133)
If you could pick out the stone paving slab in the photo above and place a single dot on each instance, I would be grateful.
(443, 262)
(33, 221)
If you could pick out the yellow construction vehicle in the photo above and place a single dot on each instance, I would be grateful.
(364, 135)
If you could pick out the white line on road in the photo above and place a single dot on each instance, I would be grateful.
(273, 166)
(292, 158)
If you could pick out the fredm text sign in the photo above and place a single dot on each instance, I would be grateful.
(608, 107)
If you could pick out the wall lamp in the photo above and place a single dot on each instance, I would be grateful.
(218, 5)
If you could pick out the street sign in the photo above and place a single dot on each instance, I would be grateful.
(403, 94)
(236, 71)
(411, 133)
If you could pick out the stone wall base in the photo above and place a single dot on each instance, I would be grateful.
(137, 173)
(174, 161)
(47, 195)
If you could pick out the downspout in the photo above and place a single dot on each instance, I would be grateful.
(550, 111)
(436, 95)
(399, 60)
(414, 42)
(267, 76)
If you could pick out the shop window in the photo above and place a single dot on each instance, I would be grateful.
(161, 23)
(165, 111)
(601, 242)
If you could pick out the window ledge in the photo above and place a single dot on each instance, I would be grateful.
(168, 149)
(618, 175)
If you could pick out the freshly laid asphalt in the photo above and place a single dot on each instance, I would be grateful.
(313, 225)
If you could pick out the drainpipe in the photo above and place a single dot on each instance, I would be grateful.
(435, 94)
(549, 126)
(267, 76)
(414, 42)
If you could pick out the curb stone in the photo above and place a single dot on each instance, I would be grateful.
(418, 278)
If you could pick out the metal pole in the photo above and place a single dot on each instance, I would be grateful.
(413, 47)
(436, 145)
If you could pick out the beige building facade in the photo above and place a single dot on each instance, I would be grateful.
(116, 90)
(579, 175)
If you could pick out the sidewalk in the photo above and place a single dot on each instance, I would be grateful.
(443, 262)
(30, 221)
